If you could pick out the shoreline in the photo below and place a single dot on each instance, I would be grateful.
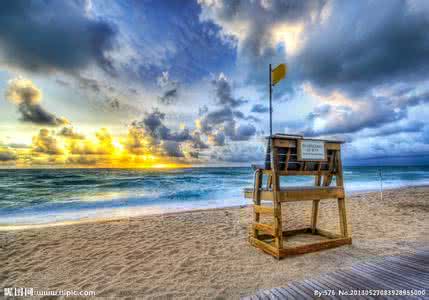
(205, 253)
(92, 220)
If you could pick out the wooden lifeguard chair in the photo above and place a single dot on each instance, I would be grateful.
(293, 155)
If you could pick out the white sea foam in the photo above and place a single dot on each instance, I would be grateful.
(55, 196)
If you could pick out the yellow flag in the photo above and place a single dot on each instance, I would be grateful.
(278, 73)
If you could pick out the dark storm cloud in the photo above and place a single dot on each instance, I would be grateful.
(169, 96)
(366, 43)
(381, 113)
(172, 149)
(153, 123)
(259, 108)
(363, 48)
(243, 132)
(7, 155)
(353, 45)
(53, 35)
(27, 97)
(262, 17)
(70, 133)
(215, 118)
(254, 36)
(356, 49)
(346, 119)
(154, 120)
(413, 100)
(240, 115)
(223, 93)
(169, 89)
(170, 141)
(197, 142)
(38, 115)
(409, 127)
(223, 121)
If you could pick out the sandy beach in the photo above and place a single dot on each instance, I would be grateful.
(204, 254)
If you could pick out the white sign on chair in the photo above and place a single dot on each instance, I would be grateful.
(312, 150)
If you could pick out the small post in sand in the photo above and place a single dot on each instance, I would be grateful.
(381, 183)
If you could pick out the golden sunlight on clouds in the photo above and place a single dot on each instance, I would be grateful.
(290, 35)
(198, 124)
(46, 143)
(61, 145)
(136, 142)
(335, 98)
(21, 90)
(67, 148)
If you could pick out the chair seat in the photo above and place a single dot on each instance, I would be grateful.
(300, 193)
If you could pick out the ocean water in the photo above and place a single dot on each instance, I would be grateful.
(58, 195)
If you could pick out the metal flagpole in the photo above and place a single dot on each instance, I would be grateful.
(271, 109)
(268, 153)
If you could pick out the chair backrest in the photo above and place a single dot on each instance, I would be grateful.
(304, 156)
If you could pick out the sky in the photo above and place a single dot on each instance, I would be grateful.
(185, 83)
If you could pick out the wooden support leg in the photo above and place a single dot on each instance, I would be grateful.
(315, 207)
(314, 215)
(341, 201)
(343, 216)
(257, 200)
(278, 230)
(278, 238)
